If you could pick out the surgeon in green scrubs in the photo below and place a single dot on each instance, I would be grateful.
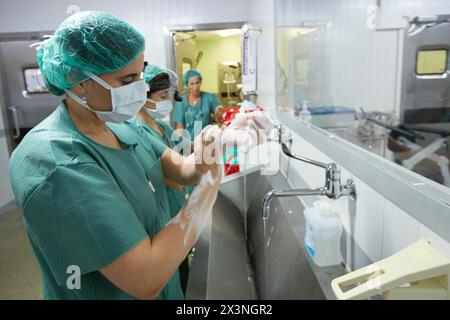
(162, 91)
(163, 85)
(93, 195)
(197, 108)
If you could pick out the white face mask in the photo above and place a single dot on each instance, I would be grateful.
(163, 109)
(126, 100)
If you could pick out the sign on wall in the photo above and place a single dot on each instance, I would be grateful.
(249, 62)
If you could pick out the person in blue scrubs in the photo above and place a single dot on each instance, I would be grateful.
(197, 109)
(93, 191)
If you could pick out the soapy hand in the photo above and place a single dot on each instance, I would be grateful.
(247, 130)
(208, 149)
(198, 207)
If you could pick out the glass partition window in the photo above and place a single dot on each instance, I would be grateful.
(33, 81)
(431, 62)
(333, 59)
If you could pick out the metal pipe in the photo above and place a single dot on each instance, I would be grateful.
(287, 152)
(287, 193)
(333, 188)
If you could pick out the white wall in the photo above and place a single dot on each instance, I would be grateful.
(262, 15)
(148, 16)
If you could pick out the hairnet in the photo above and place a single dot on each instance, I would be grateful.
(151, 71)
(189, 74)
(160, 78)
(87, 41)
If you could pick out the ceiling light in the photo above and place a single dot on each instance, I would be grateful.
(228, 32)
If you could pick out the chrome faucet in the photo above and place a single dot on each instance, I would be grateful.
(333, 188)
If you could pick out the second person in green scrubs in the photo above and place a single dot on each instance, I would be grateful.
(149, 121)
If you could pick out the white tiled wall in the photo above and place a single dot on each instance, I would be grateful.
(148, 16)
(152, 18)
(378, 226)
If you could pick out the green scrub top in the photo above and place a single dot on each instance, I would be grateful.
(85, 204)
(187, 115)
(176, 197)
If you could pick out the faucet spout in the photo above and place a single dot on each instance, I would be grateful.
(288, 193)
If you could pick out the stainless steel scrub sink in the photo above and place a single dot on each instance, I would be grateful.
(238, 257)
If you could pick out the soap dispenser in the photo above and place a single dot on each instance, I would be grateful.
(323, 234)
(305, 114)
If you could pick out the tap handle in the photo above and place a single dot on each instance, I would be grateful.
(350, 189)
(280, 129)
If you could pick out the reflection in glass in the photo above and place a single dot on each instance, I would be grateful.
(431, 62)
(33, 81)
(350, 77)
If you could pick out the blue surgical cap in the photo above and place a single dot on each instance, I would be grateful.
(189, 74)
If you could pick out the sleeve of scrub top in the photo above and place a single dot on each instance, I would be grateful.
(173, 135)
(150, 143)
(79, 216)
(178, 113)
(214, 103)
(158, 146)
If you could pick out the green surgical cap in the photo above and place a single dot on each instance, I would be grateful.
(151, 71)
(87, 41)
(189, 74)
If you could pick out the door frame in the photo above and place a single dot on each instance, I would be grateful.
(5, 101)
(432, 37)
(170, 41)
